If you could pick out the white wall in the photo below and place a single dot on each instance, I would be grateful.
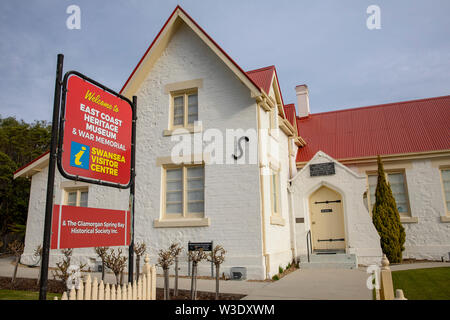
(427, 237)
(231, 191)
(361, 236)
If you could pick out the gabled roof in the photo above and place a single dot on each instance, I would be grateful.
(291, 115)
(33, 166)
(160, 42)
(262, 77)
(388, 129)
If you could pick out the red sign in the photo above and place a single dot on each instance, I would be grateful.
(97, 133)
(81, 227)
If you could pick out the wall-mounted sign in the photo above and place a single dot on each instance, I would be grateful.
(321, 169)
(95, 133)
(206, 246)
(326, 210)
(81, 227)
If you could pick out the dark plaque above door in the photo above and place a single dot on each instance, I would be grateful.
(321, 169)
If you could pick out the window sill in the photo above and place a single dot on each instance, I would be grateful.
(182, 130)
(277, 220)
(445, 218)
(181, 222)
(409, 219)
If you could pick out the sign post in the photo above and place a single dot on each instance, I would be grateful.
(96, 144)
(132, 190)
(50, 182)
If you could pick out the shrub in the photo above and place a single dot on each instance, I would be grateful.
(275, 277)
(386, 219)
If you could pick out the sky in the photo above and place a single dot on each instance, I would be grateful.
(325, 44)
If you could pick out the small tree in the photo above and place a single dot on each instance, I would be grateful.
(165, 260)
(102, 253)
(64, 269)
(139, 250)
(217, 256)
(195, 256)
(16, 248)
(116, 262)
(176, 250)
(386, 219)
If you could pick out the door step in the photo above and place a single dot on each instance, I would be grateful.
(329, 261)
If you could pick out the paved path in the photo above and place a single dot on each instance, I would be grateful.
(316, 284)
(308, 284)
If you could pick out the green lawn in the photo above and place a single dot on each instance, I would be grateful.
(24, 295)
(423, 284)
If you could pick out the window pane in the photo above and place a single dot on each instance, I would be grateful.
(174, 174)
(196, 207)
(195, 192)
(174, 191)
(195, 183)
(72, 198)
(397, 182)
(84, 199)
(446, 175)
(395, 178)
(172, 208)
(402, 207)
(196, 195)
(178, 110)
(192, 108)
(447, 186)
(174, 196)
(195, 172)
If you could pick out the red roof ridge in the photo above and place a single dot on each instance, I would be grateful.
(375, 106)
(261, 69)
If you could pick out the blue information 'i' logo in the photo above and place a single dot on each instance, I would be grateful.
(79, 155)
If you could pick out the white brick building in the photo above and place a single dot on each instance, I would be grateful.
(258, 207)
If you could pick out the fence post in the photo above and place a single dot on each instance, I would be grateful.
(130, 291)
(135, 290)
(399, 295)
(101, 291)
(113, 292)
(107, 292)
(87, 288)
(139, 289)
(387, 288)
(153, 288)
(118, 293)
(80, 291)
(72, 294)
(144, 287)
(95, 290)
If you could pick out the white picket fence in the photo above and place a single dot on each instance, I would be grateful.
(144, 289)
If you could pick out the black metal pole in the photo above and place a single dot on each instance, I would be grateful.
(132, 190)
(50, 182)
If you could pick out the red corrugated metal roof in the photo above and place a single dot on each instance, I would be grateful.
(289, 111)
(262, 77)
(394, 128)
